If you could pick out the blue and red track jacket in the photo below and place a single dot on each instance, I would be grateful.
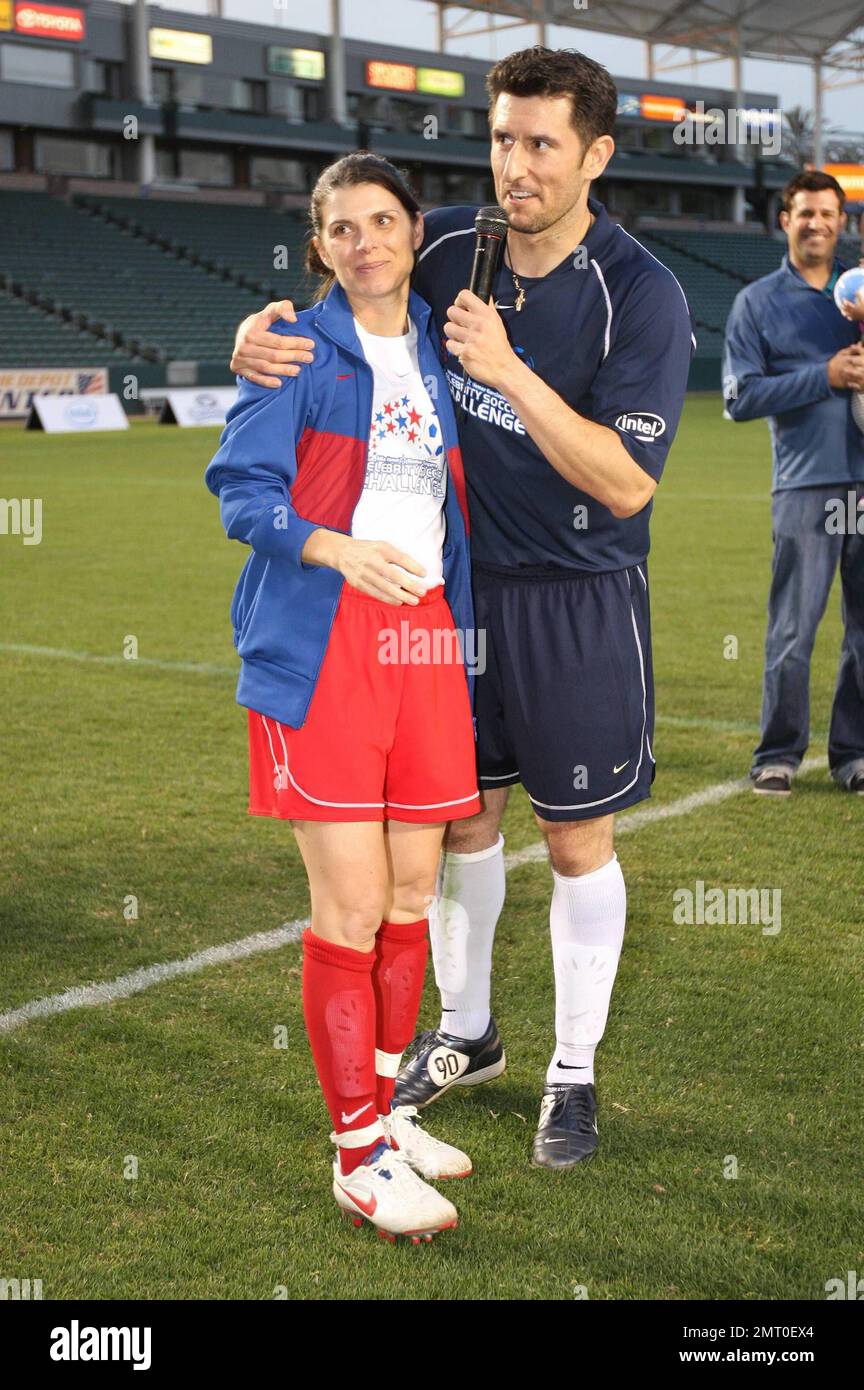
(293, 459)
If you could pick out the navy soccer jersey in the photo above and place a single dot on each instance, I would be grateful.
(609, 330)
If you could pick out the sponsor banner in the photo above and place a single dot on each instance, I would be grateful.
(49, 22)
(398, 77)
(850, 178)
(72, 414)
(19, 385)
(7, 14)
(198, 405)
(440, 82)
(629, 104)
(405, 77)
(655, 108)
(181, 46)
(307, 63)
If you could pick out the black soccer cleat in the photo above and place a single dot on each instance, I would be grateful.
(437, 1061)
(567, 1133)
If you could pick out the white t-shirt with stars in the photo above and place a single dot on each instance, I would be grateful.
(406, 465)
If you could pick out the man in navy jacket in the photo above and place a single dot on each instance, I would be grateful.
(793, 357)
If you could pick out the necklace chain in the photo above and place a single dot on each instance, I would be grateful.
(521, 296)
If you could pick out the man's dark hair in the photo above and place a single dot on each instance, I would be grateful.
(559, 72)
(811, 181)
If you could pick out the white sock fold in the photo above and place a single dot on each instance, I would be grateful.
(462, 922)
(586, 919)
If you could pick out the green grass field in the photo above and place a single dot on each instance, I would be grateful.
(129, 778)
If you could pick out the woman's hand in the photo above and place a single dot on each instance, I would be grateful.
(264, 357)
(371, 567)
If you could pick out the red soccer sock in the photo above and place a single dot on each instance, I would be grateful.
(401, 950)
(339, 1009)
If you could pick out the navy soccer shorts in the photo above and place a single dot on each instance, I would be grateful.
(565, 701)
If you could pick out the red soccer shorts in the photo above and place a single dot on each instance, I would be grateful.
(388, 734)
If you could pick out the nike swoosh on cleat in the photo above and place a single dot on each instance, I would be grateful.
(365, 1204)
(349, 1119)
(566, 1068)
(554, 1141)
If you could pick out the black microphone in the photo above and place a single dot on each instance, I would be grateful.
(490, 225)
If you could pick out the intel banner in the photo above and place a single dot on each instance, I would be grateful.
(18, 386)
(65, 414)
(198, 405)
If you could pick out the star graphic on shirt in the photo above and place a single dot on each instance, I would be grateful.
(404, 400)
(412, 435)
(389, 407)
(401, 421)
(379, 417)
(414, 417)
(391, 428)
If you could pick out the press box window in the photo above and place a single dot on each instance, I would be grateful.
(295, 103)
(55, 155)
(102, 79)
(213, 167)
(188, 88)
(160, 82)
(42, 67)
(246, 95)
(271, 172)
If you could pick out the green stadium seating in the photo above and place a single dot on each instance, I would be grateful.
(102, 280)
(236, 241)
(126, 295)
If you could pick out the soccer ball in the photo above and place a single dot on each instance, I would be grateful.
(850, 288)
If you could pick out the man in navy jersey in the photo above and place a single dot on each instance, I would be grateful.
(571, 384)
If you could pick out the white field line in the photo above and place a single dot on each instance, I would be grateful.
(634, 820)
(88, 996)
(202, 668)
(206, 668)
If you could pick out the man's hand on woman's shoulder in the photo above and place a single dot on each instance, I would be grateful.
(264, 357)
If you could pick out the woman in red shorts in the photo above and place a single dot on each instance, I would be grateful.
(350, 617)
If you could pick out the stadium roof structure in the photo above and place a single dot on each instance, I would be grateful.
(829, 33)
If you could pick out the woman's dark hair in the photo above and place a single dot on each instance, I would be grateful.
(353, 169)
(559, 72)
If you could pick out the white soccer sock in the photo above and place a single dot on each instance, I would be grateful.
(587, 923)
(462, 921)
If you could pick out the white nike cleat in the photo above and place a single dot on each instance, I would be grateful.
(387, 1192)
(428, 1156)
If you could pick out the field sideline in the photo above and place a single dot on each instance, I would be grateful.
(129, 778)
